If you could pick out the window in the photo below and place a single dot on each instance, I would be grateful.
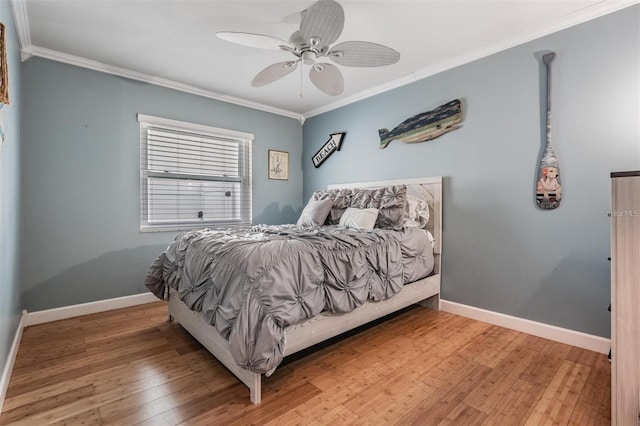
(192, 176)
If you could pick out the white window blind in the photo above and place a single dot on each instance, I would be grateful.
(192, 176)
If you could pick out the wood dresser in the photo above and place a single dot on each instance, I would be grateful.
(625, 298)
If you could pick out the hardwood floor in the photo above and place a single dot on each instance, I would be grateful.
(424, 367)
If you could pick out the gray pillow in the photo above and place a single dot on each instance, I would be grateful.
(391, 202)
(341, 199)
(315, 213)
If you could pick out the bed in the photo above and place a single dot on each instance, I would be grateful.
(249, 329)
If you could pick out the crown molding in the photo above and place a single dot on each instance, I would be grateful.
(27, 50)
(158, 81)
(403, 81)
(588, 13)
(21, 19)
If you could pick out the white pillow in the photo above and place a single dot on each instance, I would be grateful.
(417, 214)
(359, 218)
(432, 240)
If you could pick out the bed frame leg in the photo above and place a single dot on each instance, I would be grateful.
(432, 303)
(255, 389)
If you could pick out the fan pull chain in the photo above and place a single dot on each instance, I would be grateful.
(301, 79)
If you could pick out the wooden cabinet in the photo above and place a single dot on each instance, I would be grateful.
(625, 298)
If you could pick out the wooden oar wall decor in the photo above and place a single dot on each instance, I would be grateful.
(548, 187)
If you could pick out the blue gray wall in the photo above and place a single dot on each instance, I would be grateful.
(10, 303)
(81, 239)
(80, 172)
(500, 252)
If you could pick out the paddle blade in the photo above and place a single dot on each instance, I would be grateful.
(363, 54)
(327, 78)
(324, 20)
(259, 41)
(274, 72)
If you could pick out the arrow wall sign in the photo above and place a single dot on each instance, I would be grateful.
(332, 145)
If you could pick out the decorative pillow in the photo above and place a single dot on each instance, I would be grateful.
(315, 213)
(432, 240)
(417, 213)
(359, 218)
(341, 199)
(390, 201)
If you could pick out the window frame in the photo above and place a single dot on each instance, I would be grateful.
(245, 140)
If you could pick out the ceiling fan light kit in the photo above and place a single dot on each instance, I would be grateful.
(320, 26)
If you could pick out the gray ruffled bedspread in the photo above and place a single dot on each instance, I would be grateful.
(251, 283)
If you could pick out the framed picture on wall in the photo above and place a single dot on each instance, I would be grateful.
(278, 165)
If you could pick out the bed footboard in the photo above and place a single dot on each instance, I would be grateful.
(325, 326)
(306, 334)
(210, 339)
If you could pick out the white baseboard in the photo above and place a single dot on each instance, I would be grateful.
(65, 312)
(11, 359)
(551, 332)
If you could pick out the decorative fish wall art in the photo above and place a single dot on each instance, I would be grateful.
(425, 126)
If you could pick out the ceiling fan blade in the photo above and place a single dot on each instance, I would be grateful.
(274, 72)
(327, 78)
(255, 40)
(324, 20)
(363, 54)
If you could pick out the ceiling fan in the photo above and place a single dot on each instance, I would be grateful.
(320, 25)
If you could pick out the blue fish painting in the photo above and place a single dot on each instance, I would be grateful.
(425, 126)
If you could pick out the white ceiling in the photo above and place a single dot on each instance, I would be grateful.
(172, 42)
